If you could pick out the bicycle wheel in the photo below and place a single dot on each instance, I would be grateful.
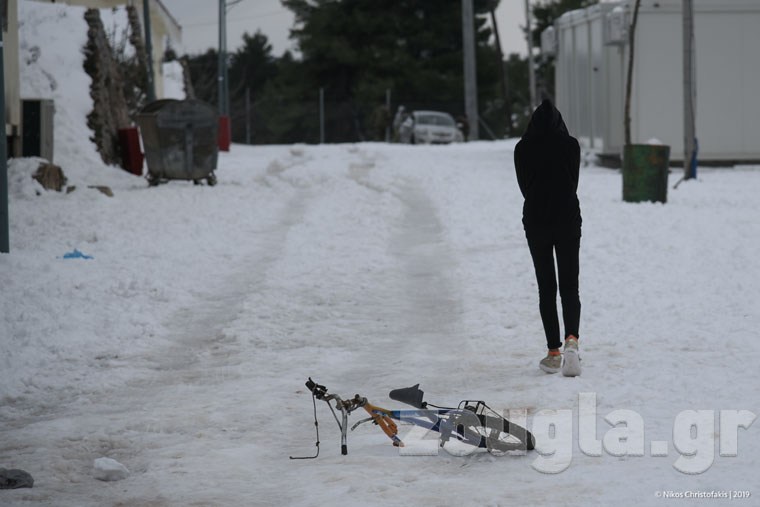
(493, 433)
(501, 436)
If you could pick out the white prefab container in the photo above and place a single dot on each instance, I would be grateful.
(591, 65)
(588, 77)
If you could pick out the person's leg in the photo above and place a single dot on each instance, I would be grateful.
(542, 252)
(567, 271)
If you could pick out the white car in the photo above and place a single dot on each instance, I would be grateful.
(434, 127)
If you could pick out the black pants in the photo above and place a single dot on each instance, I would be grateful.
(542, 249)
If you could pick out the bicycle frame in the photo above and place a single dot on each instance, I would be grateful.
(447, 421)
(437, 420)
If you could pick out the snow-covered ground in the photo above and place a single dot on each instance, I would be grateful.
(181, 349)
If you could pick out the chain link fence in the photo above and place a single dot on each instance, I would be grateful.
(275, 121)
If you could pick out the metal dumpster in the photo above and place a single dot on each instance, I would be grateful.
(179, 138)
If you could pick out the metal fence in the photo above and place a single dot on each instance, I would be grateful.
(272, 121)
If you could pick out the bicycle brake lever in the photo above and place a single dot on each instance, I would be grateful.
(368, 419)
(317, 390)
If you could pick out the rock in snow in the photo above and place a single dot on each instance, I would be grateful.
(14, 479)
(107, 469)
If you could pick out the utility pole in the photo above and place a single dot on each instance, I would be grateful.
(223, 88)
(222, 63)
(689, 94)
(502, 74)
(226, 69)
(149, 51)
(531, 61)
(4, 221)
(470, 77)
(223, 75)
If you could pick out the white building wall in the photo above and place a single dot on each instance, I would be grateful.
(599, 96)
(727, 86)
(612, 130)
(582, 89)
(590, 81)
(656, 101)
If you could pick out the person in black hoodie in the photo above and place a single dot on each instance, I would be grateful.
(547, 162)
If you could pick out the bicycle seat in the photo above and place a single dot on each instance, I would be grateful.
(409, 395)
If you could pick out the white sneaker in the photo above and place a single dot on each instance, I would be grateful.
(571, 366)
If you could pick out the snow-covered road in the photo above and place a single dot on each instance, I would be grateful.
(181, 349)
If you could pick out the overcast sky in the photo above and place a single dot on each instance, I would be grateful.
(200, 19)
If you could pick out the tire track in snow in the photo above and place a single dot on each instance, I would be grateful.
(200, 340)
(170, 414)
(429, 303)
(424, 306)
(202, 351)
(425, 259)
(420, 327)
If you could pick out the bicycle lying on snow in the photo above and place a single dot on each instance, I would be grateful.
(472, 423)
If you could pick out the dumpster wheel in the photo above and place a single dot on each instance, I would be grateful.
(153, 181)
(211, 180)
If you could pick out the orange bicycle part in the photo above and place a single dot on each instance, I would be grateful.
(381, 417)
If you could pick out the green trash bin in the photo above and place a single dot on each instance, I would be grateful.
(645, 172)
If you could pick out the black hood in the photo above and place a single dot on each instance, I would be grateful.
(546, 121)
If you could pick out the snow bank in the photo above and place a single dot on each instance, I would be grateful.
(174, 86)
(51, 68)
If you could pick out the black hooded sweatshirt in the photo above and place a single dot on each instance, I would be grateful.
(547, 162)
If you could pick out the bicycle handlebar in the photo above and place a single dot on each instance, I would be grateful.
(320, 392)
